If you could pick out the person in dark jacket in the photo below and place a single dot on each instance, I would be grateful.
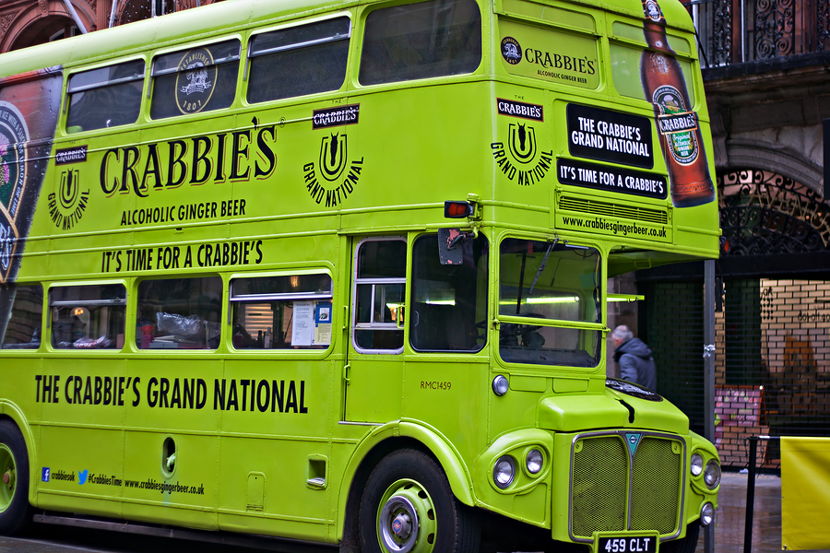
(634, 358)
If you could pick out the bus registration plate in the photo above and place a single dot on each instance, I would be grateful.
(627, 544)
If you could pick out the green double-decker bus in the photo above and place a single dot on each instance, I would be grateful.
(337, 272)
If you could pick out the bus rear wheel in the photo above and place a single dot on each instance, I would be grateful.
(14, 480)
(408, 507)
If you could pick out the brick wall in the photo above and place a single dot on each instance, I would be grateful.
(788, 392)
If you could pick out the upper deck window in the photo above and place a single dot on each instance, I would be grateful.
(105, 97)
(627, 67)
(417, 41)
(300, 60)
(202, 78)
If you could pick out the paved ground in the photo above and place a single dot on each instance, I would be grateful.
(729, 529)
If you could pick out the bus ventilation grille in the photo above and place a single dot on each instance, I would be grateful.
(607, 209)
(605, 475)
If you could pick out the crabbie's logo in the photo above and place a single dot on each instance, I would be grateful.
(13, 138)
(534, 112)
(195, 80)
(335, 117)
(332, 178)
(520, 160)
(68, 204)
(510, 50)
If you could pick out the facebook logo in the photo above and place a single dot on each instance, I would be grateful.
(45, 474)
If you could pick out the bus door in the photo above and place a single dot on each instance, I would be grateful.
(374, 372)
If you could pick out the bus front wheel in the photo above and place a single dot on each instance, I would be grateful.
(14, 480)
(688, 544)
(408, 507)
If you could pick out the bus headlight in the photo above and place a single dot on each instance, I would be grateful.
(534, 461)
(504, 471)
(707, 514)
(711, 475)
(697, 464)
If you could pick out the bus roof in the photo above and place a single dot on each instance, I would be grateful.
(213, 19)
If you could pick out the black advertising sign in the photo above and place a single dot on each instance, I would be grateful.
(606, 135)
(612, 179)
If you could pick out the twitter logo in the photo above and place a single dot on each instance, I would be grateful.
(82, 476)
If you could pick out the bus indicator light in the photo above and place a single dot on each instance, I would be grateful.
(458, 210)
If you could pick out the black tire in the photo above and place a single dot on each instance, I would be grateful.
(687, 544)
(408, 506)
(15, 512)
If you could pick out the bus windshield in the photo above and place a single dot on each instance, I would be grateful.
(559, 285)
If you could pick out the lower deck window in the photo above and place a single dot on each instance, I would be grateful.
(179, 313)
(88, 317)
(282, 312)
(449, 302)
(379, 287)
(24, 305)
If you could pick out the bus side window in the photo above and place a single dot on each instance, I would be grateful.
(417, 41)
(299, 60)
(380, 281)
(282, 312)
(449, 302)
(202, 78)
(105, 97)
(88, 317)
(22, 330)
(179, 313)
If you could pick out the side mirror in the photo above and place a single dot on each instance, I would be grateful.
(450, 245)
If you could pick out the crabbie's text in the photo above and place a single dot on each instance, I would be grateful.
(148, 168)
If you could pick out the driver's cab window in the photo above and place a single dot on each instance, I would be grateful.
(549, 303)
(379, 286)
(449, 301)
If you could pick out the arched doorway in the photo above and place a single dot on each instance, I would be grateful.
(45, 29)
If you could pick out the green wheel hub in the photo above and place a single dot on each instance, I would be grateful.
(406, 519)
(8, 477)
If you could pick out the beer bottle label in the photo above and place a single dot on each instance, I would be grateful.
(652, 10)
(13, 139)
(681, 143)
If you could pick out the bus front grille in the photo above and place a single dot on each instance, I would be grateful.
(620, 486)
(608, 209)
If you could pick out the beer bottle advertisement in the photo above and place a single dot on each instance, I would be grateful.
(677, 125)
(29, 105)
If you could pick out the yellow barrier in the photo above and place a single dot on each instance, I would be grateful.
(805, 493)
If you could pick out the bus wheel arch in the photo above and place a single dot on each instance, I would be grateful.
(407, 506)
(15, 510)
(378, 446)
